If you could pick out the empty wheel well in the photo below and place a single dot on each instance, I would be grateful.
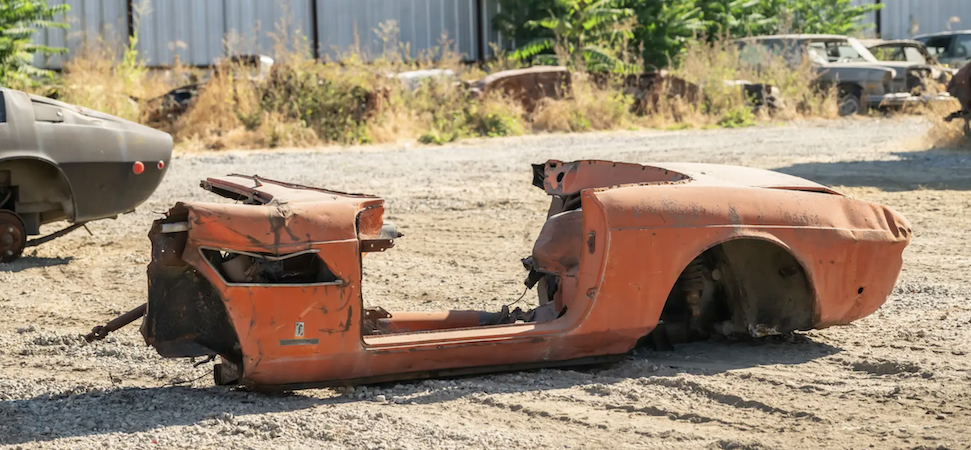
(35, 187)
(745, 286)
(850, 88)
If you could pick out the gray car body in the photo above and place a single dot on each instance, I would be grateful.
(939, 72)
(878, 82)
(63, 162)
(953, 56)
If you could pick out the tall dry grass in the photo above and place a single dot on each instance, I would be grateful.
(941, 134)
(711, 65)
(308, 102)
(590, 107)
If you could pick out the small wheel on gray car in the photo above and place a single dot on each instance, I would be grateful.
(13, 236)
(850, 101)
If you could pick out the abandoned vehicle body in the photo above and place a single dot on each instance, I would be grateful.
(960, 88)
(63, 162)
(672, 252)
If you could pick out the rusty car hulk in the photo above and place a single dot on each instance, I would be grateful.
(271, 283)
(960, 88)
(63, 162)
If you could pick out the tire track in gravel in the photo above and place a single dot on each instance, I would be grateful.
(629, 421)
(612, 424)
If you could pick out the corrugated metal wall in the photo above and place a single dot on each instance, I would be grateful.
(906, 18)
(870, 20)
(91, 21)
(196, 31)
(901, 19)
(199, 31)
(419, 23)
(491, 8)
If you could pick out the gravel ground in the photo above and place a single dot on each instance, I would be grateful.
(900, 378)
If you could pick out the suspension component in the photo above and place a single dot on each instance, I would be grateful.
(13, 236)
(100, 332)
(692, 282)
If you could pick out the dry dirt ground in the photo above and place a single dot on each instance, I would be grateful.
(900, 378)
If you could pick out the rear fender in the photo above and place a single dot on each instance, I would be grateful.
(32, 173)
(683, 260)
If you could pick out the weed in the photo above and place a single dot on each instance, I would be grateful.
(589, 107)
(496, 117)
(943, 134)
(737, 117)
(308, 102)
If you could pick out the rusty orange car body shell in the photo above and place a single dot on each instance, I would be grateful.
(641, 226)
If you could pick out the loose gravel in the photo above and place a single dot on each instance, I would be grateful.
(900, 378)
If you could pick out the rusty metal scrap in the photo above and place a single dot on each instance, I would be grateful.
(629, 253)
(100, 332)
(527, 86)
(960, 88)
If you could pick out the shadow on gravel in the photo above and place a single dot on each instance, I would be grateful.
(716, 357)
(931, 169)
(700, 358)
(131, 410)
(33, 262)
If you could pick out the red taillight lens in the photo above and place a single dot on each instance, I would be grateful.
(138, 167)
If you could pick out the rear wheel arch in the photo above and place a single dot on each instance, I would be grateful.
(754, 283)
(42, 171)
(850, 93)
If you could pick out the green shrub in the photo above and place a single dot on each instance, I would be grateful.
(335, 107)
(496, 117)
(737, 117)
(20, 20)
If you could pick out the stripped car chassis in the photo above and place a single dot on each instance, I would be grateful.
(271, 282)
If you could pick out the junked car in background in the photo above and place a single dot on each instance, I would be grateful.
(63, 162)
(910, 51)
(960, 88)
(861, 80)
(952, 48)
(167, 108)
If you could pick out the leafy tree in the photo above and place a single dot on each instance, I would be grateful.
(663, 28)
(19, 21)
(739, 18)
(827, 16)
(591, 33)
(513, 16)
